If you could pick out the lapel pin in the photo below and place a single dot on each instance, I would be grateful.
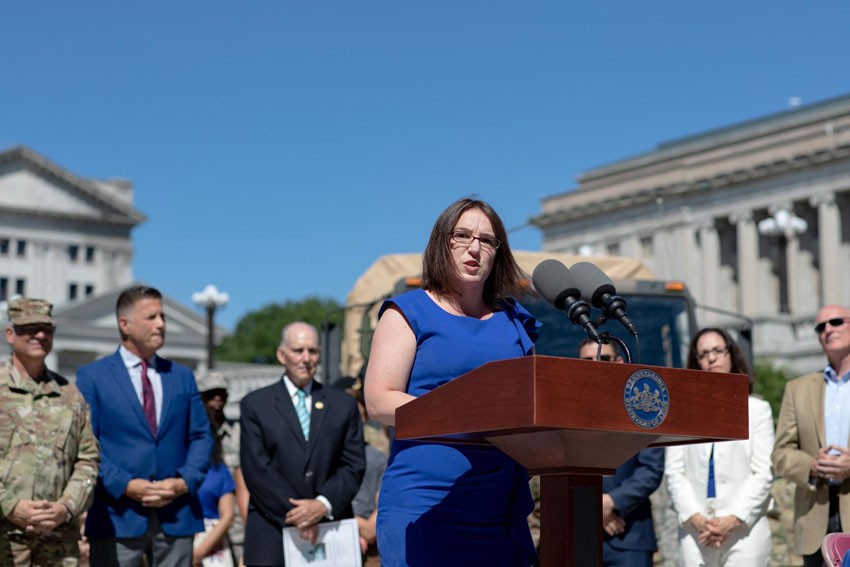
(319, 405)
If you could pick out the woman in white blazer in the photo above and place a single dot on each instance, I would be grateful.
(727, 527)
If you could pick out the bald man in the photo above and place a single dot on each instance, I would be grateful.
(812, 439)
(302, 451)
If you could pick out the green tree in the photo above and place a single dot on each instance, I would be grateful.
(770, 383)
(257, 334)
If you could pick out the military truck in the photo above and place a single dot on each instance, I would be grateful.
(662, 311)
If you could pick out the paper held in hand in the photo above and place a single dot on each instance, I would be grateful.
(338, 545)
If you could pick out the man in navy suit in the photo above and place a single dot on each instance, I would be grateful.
(155, 444)
(629, 539)
(302, 451)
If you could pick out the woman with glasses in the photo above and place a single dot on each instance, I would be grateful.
(721, 491)
(443, 504)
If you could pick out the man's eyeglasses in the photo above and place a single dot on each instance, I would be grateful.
(32, 330)
(835, 322)
(716, 351)
(465, 239)
(602, 358)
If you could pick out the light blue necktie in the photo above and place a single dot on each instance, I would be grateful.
(303, 414)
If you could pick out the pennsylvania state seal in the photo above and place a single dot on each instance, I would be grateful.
(646, 398)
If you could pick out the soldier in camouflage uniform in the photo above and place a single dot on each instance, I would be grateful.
(48, 454)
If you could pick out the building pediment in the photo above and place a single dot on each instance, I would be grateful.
(32, 185)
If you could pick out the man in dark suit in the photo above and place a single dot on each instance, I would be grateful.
(629, 539)
(301, 450)
(155, 443)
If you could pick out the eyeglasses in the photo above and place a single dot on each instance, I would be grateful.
(465, 239)
(32, 330)
(602, 358)
(835, 322)
(716, 351)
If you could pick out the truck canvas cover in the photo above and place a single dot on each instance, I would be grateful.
(379, 281)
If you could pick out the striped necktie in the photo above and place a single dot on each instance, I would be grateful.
(303, 414)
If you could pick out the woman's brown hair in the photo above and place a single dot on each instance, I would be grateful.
(736, 355)
(438, 269)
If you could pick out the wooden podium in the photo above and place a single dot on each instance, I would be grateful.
(572, 421)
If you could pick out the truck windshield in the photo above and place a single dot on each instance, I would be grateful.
(663, 324)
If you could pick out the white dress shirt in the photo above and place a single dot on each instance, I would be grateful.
(308, 401)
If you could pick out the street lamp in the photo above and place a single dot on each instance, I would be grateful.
(210, 299)
(783, 223)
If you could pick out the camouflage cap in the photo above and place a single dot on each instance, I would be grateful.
(24, 311)
(211, 380)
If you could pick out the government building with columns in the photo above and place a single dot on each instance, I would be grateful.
(754, 217)
(67, 239)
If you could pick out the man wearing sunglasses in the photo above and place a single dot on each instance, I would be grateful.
(626, 510)
(812, 438)
(47, 447)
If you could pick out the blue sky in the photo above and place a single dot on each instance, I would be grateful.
(280, 147)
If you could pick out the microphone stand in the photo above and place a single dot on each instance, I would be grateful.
(624, 348)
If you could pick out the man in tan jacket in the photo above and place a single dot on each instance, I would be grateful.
(812, 439)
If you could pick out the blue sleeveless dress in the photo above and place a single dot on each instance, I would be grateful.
(444, 505)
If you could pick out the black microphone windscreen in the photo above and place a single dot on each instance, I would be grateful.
(551, 278)
(592, 282)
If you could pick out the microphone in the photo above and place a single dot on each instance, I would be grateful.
(599, 288)
(557, 286)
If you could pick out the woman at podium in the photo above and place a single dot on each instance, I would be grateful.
(721, 491)
(444, 504)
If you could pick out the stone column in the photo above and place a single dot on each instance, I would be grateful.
(829, 239)
(710, 262)
(747, 243)
(685, 264)
(661, 252)
(630, 246)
